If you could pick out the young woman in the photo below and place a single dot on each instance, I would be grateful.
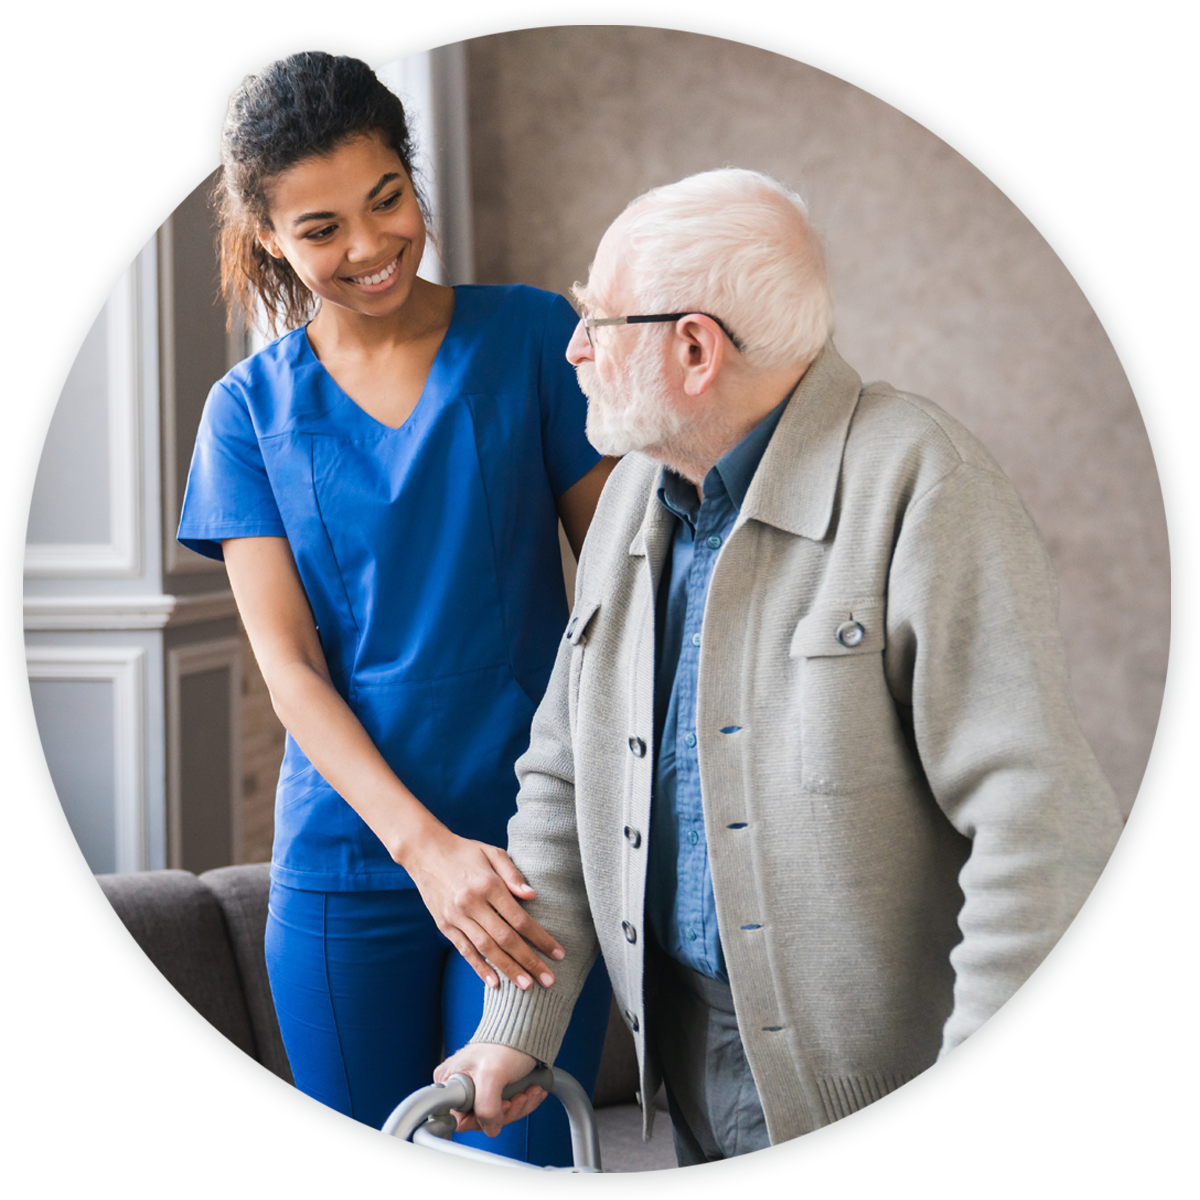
(384, 484)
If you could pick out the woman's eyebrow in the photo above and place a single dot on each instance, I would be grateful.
(313, 216)
(382, 184)
(328, 216)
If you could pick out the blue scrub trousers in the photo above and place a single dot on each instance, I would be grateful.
(369, 992)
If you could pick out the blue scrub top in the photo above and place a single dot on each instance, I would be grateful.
(429, 554)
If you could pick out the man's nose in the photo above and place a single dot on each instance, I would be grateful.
(579, 349)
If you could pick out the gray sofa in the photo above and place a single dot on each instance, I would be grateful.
(109, 1086)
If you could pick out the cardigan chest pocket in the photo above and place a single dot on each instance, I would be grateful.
(851, 738)
(576, 637)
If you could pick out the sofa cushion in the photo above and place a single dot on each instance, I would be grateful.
(242, 893)
(108, 1085)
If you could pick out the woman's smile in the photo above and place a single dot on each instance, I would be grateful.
(380, 276)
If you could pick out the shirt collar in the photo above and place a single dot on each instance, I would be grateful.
(732, 473)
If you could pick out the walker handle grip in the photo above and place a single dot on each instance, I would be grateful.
(542, 1077)
(458, 1093)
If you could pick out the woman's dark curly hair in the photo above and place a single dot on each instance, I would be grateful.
(297, 108)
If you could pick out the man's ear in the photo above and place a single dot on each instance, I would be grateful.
(700, 346)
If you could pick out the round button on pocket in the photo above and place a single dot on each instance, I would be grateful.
(850, 634)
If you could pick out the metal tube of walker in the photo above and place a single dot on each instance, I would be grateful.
(458, 1092)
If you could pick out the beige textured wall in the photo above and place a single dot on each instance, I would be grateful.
(942, 288)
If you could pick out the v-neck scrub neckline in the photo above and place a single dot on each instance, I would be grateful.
(310, 353)
(429, 554)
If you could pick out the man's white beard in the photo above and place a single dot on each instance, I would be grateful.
(648, 419)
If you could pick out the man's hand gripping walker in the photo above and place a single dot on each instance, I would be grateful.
(424, 1118)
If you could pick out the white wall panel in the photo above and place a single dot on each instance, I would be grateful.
(80, 694)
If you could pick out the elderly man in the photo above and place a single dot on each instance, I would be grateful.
(807, 771)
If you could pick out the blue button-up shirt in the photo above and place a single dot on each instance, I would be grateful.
(679, 894)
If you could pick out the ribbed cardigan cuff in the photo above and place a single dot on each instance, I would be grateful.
(994, 1110)
(534, 1021)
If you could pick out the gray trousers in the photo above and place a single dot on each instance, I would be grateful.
(713, 1099)
(692, 1030)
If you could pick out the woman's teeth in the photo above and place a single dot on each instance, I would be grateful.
(380, 277)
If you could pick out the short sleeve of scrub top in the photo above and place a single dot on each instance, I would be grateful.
(429, 555)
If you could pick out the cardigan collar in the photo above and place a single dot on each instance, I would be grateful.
(795, 486)
(796, 483)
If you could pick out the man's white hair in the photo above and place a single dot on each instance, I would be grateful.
(738, 245)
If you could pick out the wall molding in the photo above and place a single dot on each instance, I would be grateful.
(82, 613)
(191, 660)
(121, 556)
(125, 668)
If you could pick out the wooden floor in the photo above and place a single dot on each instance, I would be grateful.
(1128, 1018)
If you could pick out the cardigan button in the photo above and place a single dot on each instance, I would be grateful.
(632, 836)
(629, 931)
(850, 634)
(637, 746)
(631, 1020)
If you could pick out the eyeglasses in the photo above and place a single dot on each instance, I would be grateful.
(590, 323)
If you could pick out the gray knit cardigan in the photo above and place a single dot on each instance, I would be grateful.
(902, 814)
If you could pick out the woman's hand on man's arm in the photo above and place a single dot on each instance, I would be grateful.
(469, 888)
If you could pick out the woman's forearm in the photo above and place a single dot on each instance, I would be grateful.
(335, 742)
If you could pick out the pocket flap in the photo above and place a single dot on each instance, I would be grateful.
(854, 628)
(581, 618)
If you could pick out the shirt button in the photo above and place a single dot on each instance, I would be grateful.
(631, 1020)
(637, 746)
(633, 837)
(850, 634)
(629, 931)
(690, 740)
(691, 934)
(695, 639)
(714, 541)
(693, 837)
(571, 627)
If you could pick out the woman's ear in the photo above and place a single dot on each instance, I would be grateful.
(266, 239)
